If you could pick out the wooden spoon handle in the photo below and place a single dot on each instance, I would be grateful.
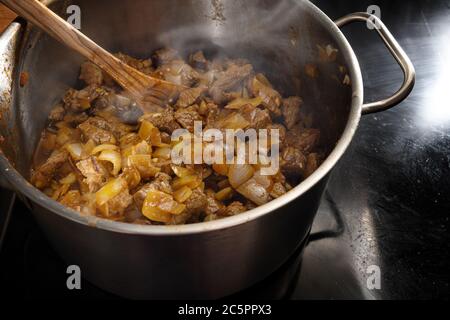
(38, 14)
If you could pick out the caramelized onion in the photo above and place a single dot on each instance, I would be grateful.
(114, 157)
(75, 150)
(239, 174)
(102, 148)
(182, 194)
(254, 192)
(110, 190)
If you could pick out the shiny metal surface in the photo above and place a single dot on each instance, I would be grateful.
(398, 53)
(203, 260)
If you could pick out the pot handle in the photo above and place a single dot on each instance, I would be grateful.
(398, 53)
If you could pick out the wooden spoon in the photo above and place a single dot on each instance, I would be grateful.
(146, 90)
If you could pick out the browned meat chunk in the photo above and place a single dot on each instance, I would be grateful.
(72, 199)
(95, 174)
(178, 72)
(197, 202)
(161, 183)
(313, 162)
(291, 111)
(303, 139)
(91, 74)
(118, 204)
(187, 116)
(190, 96)
(42, 176)
(271, 98)
(98, 135)
(258, 118)
(78, 101)
(57, 114)
(165, 55)
(281, 131)
(198, 60)
(213, 205)
(164, 121)
(74, 119)
(233, 209)
(144, 66)
(227, 80)
(293, 162)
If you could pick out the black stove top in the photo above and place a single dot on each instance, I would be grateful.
(387, 205)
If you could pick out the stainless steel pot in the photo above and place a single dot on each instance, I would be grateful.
(213, 259)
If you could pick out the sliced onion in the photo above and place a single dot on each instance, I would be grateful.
(150, 133)
(182, 194)
(234, 121)
(71, 178)
(182, 172)
(89, 146)
(142, 148)
(264, 181)
(156, 214)
(110, 190)
(239, 174)
(143, 163)
(162, 201)
(238, 103)
(102, 148)
(163, 153)
(254, 192)
(224, 194)
(114, 157)
(189, 181)
(75, 150)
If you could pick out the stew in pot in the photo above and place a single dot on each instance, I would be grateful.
(91, 160)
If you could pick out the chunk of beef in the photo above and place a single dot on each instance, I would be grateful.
(228, 80)
(293, 162)
(190, 96)
(144, 65)
(281, 131)
(96, 133)
(198, 60)
(42, 176)
(271, 98)
(72, 199)
(110, 123)
(164, 121)
(91, 74)
(165, 55)
(74, 119)
(117, 205)
(178, 72)
(213, 205)
(57, 114)
(94, 173)
(81, 100)
(232, 209)
(258, 118)
(291, 111)
(197, 202)
(160, 183)
(303, 139)
(187, 116)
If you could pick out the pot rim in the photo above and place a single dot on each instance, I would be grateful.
(20, 184)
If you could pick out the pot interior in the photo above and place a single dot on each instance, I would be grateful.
(278, 37)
